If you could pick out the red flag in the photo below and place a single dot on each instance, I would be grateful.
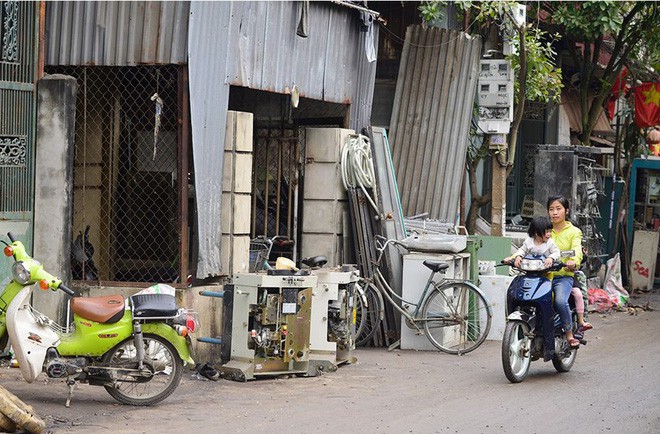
(619, 86)
(647, 105)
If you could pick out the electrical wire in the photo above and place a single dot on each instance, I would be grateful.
(357, 166)
(402, 41)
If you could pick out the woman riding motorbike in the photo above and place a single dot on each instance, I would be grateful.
(566, 237)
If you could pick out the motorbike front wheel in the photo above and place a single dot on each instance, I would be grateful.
(160, 358)
(516, 351)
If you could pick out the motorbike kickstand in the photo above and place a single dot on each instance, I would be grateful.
(71, 383)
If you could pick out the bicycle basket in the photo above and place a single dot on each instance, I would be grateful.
(258, 254)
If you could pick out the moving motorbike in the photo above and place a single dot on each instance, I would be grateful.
(533, 329)
(135, 348)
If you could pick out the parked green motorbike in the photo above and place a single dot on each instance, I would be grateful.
(135, 349)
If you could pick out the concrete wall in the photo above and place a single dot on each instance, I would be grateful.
(54, 185)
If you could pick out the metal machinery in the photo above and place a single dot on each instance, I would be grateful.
(332, 328)
(266, 325)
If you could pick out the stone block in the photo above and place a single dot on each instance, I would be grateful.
(323, 181)
(324, 145)
(243, 173)
(228, 171)
(242, 214)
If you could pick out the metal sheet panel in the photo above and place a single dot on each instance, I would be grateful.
(431, 119)
(209, 100)
(116, 33)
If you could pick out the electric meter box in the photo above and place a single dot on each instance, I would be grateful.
(497, 69)
(495, 96)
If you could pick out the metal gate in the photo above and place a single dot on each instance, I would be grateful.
(275, 184)
(19, 31)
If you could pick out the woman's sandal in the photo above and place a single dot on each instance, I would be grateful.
(573, 343)
(584, 327)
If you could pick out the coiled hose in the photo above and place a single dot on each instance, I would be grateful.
(357, 167)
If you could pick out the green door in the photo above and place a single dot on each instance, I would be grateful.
(19, 39)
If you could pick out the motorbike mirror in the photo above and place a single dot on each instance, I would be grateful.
(567, 253)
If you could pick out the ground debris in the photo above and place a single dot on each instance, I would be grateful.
(634, 309)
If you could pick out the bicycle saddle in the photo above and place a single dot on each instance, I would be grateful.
(436, 266)
(315, 261)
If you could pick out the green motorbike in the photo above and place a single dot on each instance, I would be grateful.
(135, 348)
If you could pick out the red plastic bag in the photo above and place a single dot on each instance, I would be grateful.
(601, 300)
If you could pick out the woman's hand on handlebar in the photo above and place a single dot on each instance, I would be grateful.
(570, 265)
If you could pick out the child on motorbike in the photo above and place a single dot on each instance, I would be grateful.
(539, 243)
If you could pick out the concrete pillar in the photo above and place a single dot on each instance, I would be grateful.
(237, 193)
(53, 192)
(325, 201)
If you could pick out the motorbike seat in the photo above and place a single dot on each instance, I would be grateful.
(436, 266)
(106, 309)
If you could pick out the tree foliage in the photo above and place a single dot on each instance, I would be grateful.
(601, 37)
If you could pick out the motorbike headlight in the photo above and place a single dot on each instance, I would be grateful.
(531, 265)
(20, 273)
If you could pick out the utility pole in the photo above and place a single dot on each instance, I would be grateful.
(498, 145)
(496, 114)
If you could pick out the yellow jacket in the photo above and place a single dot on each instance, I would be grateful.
(569, 238)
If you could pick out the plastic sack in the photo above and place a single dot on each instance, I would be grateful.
(613, 285)
(600, 300)
(159, 288)
(436, 243)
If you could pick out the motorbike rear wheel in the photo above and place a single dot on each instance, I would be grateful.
(516, 351)
(160, 357)
(564, 364)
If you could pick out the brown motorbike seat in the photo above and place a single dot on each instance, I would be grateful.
(106, 309)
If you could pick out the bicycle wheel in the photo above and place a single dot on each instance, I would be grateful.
(456, 317)
(368, 316)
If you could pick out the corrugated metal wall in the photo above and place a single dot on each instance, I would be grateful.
(116, 33)
(431, 119)
(254, 44)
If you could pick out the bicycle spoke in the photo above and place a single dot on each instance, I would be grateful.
(456, 318)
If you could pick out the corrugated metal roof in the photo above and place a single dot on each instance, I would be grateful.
(571, 103)
(431, 119)
(116, 33)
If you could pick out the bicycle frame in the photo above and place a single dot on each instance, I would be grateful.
(389, 293)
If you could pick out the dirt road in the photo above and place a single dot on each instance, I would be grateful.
(614, 386)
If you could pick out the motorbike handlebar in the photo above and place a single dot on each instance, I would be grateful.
(67, 290)
(11, 237)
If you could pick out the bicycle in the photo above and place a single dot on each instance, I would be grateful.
(454, 314)
(260, 248)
